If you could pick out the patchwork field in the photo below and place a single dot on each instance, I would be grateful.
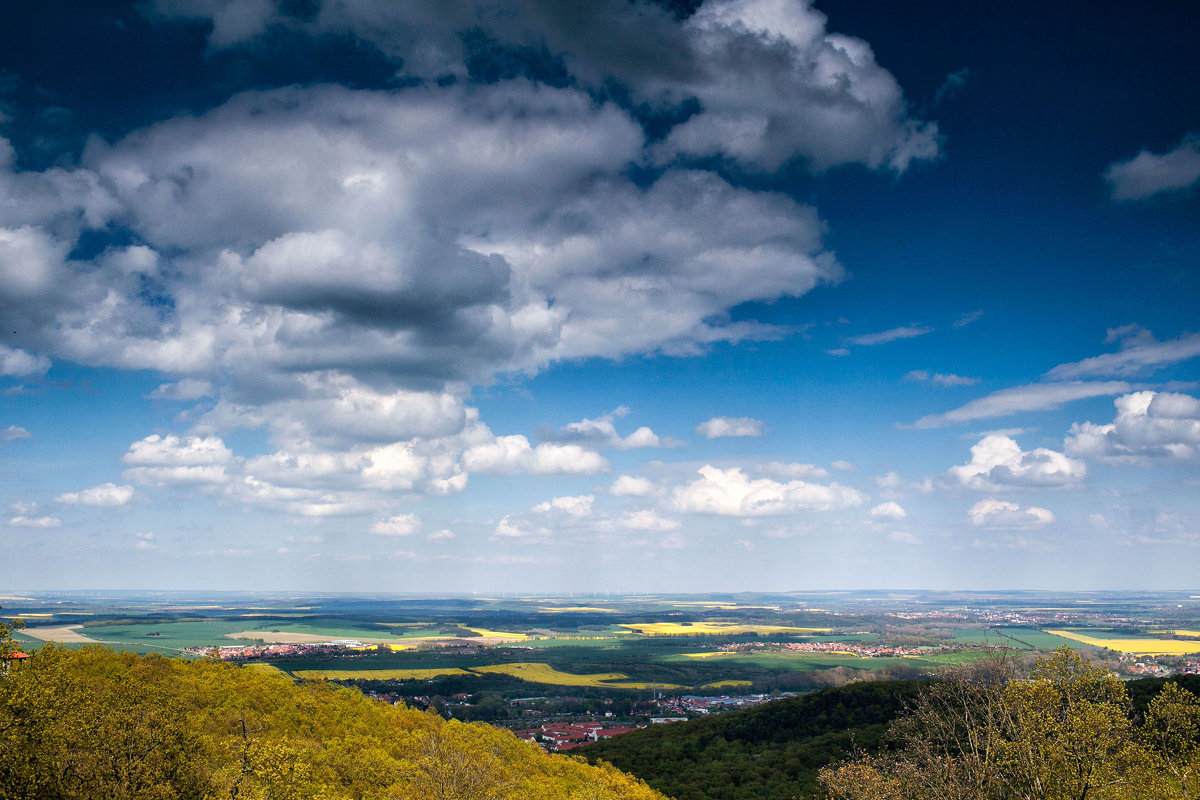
(544, 673)
(500, 636)
(65, 634)
(726, 684)
(377, 674)
(714, 628)
(1132, 646)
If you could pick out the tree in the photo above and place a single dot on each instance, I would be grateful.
(8, 644)
(1065, 733)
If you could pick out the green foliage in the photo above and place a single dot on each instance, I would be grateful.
(774, 750)
(91, 723)
(7, 643)
(1068, 732)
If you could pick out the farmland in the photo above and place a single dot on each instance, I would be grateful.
(620, 648)
(544, 673)
(704, 628)
(374, 674)
(1134, 646)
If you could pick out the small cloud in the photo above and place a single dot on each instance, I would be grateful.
(513, 455)
(673, 541)
(890, 510)
(991, 513)
(510, 529)
(939, 379)
(579, 506)
(903, 537)
(601, 432)
(883, 337)
(838, 351)
(747, 545)
(107, 494)
(718, 427)
(12, 433)
(186, 389)
(15, 362)
(1148, 174)
(399, 525)
(34, 522)
(951, 86)
(145, 541)
(648, 520)
(631, 486)
(844, 466)
(967, 319)
(442, 535)
(793, 471)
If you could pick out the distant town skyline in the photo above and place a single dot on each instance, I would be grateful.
(737, 295)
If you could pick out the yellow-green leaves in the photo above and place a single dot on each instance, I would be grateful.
(92, 723)
(1065, 733)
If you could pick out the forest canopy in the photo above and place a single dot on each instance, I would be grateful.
(1067, 732)
(94, 723)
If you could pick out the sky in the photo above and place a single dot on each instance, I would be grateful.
(615, 296)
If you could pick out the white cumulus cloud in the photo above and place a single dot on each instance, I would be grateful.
(399, 525)
(730, 492)
(106, 494)
(513, 455)
(999, 462)
(991, 513)
(1148, 426)
(579, 506)
(890, 510)
(632, 486)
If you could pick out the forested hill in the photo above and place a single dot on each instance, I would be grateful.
(93, 723)
(773, 750)
(776, 750)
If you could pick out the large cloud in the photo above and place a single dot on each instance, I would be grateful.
(998, 462)
(418, 237)
(769, 83)
(1148, 426)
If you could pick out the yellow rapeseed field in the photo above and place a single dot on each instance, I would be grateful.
(1141, 647)
(723, 684)
(544, 673)
(699, 628)
(708, 654)
(513, 637)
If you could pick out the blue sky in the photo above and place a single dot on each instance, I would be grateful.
(619, 296)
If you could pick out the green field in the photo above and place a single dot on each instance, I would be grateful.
(794, 661)
(1034, 638)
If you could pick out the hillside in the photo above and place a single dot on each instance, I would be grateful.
(774, 750)
(93, 723)
(777, 750)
